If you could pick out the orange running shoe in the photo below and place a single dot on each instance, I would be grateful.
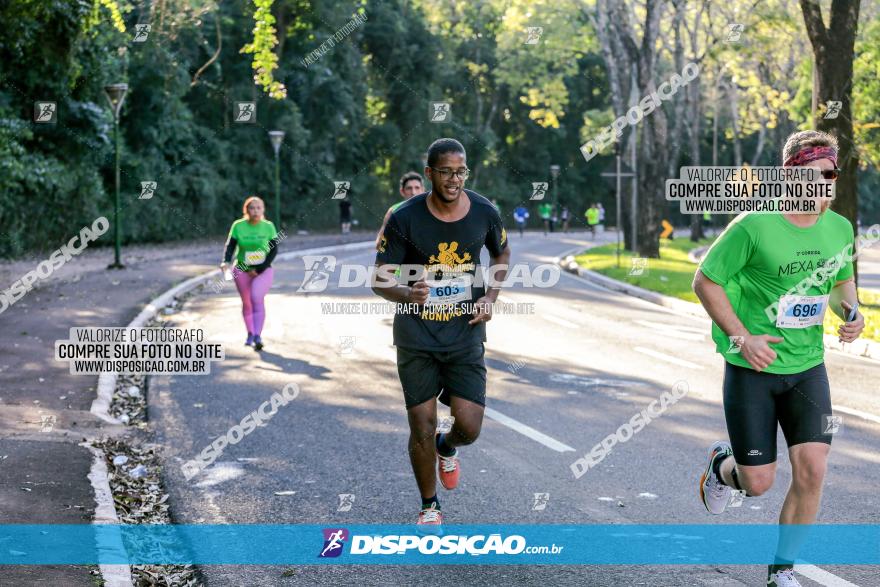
(430, 516)
(448, 469)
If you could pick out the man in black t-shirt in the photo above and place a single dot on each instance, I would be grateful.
(444, 304)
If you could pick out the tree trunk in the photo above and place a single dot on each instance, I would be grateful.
(734, 123)
(652, 152)
(833, 53)
(616, 61)
(693, 92)
(759, 148)
(833, 49)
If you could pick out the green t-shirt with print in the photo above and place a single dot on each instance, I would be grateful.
(778, 277)
(592, 215)
(253, 241)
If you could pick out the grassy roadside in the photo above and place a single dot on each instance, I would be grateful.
(673, 273)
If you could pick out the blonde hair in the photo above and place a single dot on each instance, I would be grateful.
(247, 203)
(807, 138)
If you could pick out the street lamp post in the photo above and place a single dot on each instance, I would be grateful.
(115, 95)
(554, 173)
(276, 136)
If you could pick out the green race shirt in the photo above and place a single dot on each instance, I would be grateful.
(592, 215)
(544, 210)
(761, 258)
(253, 241)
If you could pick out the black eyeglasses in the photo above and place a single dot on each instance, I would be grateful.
(831, 174)
(462, 174)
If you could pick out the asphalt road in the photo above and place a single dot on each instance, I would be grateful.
(576, 368)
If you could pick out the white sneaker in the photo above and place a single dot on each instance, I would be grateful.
(713, 492)
(783, 578)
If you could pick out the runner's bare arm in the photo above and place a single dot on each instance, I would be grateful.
(843, 291)
(387, 286)
(754, 348)
(497, 274)
(717, 305)
(843, 297)
(382, 229)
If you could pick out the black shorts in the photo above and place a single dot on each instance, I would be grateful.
(425, 374)
(754, 402)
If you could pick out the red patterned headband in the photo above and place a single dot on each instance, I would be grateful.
(809, 154)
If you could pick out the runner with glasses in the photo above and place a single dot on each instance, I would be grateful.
(439, 340)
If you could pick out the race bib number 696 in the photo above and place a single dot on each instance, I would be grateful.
(801, 311)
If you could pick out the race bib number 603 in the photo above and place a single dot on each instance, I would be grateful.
(449, 291)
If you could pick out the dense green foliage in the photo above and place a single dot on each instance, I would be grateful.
(359, 112)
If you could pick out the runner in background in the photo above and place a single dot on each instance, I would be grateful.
(520, 215)
(345, 215)
(601, 216)
(256, 242)
(440, 330)
(545, 209)
(759, 284)
(411, 184)
(565, 215)
(592, 215)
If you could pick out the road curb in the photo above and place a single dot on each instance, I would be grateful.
(107, 381)
(866, 349)
(645, 294)
(695, 254)
(105, 513)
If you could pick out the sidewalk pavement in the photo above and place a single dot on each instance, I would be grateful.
(44, 410)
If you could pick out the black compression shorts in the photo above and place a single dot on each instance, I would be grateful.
(754, 402)
(425, 374)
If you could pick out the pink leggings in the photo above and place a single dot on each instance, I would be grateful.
(252, 291)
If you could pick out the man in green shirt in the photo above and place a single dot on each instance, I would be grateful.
(411, 184)
(592, 215)
(766, 283)
(545, 210)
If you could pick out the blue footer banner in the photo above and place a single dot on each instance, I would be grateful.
(295, 544)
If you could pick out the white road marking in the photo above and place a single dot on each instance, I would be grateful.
(560, 321)
(221, 472)
(674, 331)
(822, 577)
(593, 381)
(667, 358)
(528, 431)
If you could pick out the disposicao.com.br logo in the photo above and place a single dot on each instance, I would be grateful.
(334, 541)
(453, 544)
